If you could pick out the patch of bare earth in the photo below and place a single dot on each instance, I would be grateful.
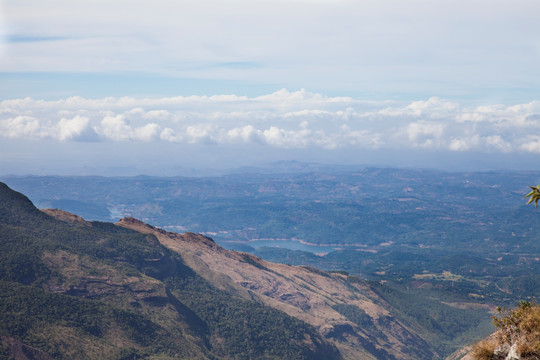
(66, 217)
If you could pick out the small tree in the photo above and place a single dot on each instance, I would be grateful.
(519, 327)
(534, 195)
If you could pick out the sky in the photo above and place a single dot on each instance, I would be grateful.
(123, 88)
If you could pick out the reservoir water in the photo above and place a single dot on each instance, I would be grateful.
(285, 244)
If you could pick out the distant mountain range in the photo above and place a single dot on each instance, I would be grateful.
(77, 289)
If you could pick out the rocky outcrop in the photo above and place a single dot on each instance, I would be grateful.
(510, 351)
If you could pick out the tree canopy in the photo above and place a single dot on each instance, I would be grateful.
(533, 195)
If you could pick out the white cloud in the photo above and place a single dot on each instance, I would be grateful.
(432, 106)
(425, 134)
(464, 144)
(244, 134)
(532, 145)
(114, 128)
(72, 128)
(284, 119)
(147, 132)
(201, 133)
(287, 138)
(170, 135)
(497, 143)
(157, 115)
(21, 126)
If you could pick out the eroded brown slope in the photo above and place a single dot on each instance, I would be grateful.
(305, 293)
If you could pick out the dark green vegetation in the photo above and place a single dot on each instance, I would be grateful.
(99, 291)
(28, 312)
(246, 329)
(441, 325)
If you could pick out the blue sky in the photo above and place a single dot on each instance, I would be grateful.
(102, 85)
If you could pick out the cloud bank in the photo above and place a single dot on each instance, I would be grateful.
(283, 119)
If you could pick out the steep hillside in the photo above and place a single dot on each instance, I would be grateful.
(71, 289)
(342, 308)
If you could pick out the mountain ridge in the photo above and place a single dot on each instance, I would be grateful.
(189, 290)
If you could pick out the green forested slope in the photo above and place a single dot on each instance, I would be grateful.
(98, 291)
